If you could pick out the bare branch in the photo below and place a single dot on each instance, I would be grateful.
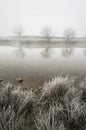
(18, 30)
(47, 33)
(69, 34)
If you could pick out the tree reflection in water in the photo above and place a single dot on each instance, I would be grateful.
(20, 53)
(47, 53)
(84, 52)
(67, 52)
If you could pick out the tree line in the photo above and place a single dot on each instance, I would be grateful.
(46, 32)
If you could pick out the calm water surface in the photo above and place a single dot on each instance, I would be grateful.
(17, 61)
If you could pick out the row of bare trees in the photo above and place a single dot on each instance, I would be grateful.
(46, 32)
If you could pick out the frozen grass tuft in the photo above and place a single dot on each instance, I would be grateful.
(67, 98)
(50, 120)
(16, 107)
(56, 89)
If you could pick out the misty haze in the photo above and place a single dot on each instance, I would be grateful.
(42, 65)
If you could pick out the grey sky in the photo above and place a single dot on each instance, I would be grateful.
(35, 14)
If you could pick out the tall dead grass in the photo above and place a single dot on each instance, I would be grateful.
(63, 104)
(16, 107)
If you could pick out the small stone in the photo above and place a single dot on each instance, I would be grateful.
(20, 80)
(1, 80)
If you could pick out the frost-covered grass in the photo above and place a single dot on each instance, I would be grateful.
(60, 106)
(16, 107)
(63, 104)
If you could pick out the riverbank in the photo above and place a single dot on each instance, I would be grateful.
(37, 41)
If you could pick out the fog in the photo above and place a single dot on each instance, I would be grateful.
(35, 14)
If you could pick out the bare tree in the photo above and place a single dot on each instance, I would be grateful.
(47, 53)
(47, 33)
(69, 34)
(18, 30)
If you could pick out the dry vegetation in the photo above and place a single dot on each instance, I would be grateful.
(61, 105)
